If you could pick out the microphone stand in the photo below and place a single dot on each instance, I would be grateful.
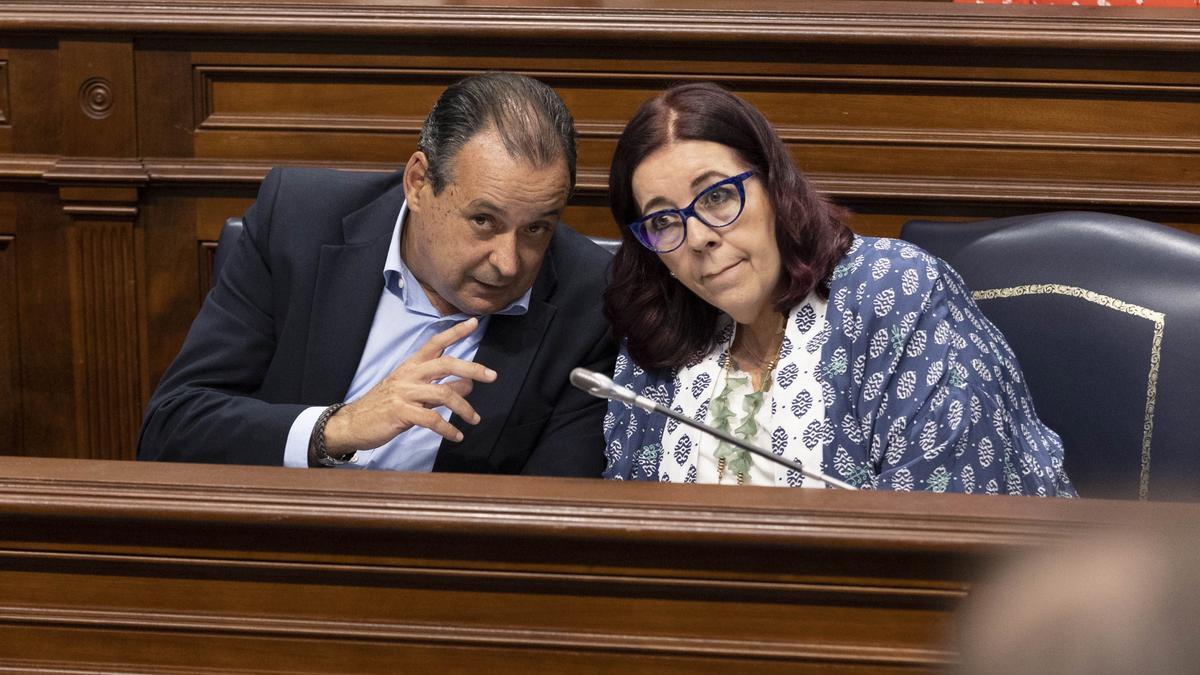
(602, 386)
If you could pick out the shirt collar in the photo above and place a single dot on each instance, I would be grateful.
(399, 281)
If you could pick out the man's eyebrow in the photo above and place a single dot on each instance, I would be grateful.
(699, 182)
(552, 214)
(485, 204)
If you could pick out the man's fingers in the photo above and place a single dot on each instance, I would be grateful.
(449, 366)
(438, 343)
(434, 395)
(461, 387)
(431, 420)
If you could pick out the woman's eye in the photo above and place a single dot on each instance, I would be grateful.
(660, 223)
(717, 196)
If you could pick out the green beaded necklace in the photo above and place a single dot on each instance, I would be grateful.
(727, 454)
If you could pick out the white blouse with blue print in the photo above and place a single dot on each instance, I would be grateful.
(920, 390)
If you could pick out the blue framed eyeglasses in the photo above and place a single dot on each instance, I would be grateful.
(717, 205)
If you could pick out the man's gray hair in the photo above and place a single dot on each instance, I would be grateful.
(532, 121)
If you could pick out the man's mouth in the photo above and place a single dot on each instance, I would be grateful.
(491, 286)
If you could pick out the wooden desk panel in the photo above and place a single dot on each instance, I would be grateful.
(152, 566)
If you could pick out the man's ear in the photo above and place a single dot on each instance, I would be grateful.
(416, 181)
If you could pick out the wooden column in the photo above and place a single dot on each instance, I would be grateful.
(98, 190)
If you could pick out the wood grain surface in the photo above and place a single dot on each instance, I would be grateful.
(141, 567)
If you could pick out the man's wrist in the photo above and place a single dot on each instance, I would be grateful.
(319, 453)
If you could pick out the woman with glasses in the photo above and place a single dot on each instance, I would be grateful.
(743, 300)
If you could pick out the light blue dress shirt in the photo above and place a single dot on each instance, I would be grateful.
(404, 320)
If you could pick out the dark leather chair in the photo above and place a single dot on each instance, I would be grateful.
(610, 245)
(1103, 312)
(230, 231)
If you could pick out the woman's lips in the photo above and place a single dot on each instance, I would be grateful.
(714, 275)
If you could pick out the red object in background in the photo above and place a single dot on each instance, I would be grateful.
(1089, 3)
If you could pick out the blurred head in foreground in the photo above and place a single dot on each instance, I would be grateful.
(1121, 603)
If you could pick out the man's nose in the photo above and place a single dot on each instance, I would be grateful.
(505, 256)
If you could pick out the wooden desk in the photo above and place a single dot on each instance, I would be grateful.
(151, 567)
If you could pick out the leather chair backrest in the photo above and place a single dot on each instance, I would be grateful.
(610, 245)
(1103, 312)
(230, 232)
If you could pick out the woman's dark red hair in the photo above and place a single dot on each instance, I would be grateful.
(663, 323)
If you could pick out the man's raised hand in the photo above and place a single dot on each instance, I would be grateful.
(408, 395)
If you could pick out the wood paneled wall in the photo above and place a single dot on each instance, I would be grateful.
(130, 130)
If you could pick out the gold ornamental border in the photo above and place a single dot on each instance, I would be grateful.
(1157, 318)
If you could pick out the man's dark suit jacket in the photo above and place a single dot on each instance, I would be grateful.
(287, 321)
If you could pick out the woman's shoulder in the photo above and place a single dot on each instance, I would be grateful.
(878, 272)
(875, 259)
(656, 383)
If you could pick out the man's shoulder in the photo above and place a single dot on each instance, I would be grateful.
(316, 201)
(577, 258)
(574, 273)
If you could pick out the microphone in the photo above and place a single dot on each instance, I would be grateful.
(602, 386)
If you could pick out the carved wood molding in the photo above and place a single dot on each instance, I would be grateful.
(1065, 193)
(211, 118)
(176, 171)
(104, 330)
(67, 170)
(101, 197)
(213, 496)
(170, 170)
(25, 167)
(790, 134)
(458, 636)
(183, 564)
(595, 183)
(764, 22)
(990, 139)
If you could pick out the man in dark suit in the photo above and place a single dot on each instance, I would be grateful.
(423, 320)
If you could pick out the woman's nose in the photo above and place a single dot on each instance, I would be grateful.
(699, 235)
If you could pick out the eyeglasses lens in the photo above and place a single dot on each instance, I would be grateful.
(719, 206)
(664, 231)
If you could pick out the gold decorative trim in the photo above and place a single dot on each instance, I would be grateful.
(1157, 318)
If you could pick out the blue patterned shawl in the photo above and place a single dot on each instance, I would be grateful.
(921, 391)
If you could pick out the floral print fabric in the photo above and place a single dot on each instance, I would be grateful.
(794, 414)
(921, 391)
